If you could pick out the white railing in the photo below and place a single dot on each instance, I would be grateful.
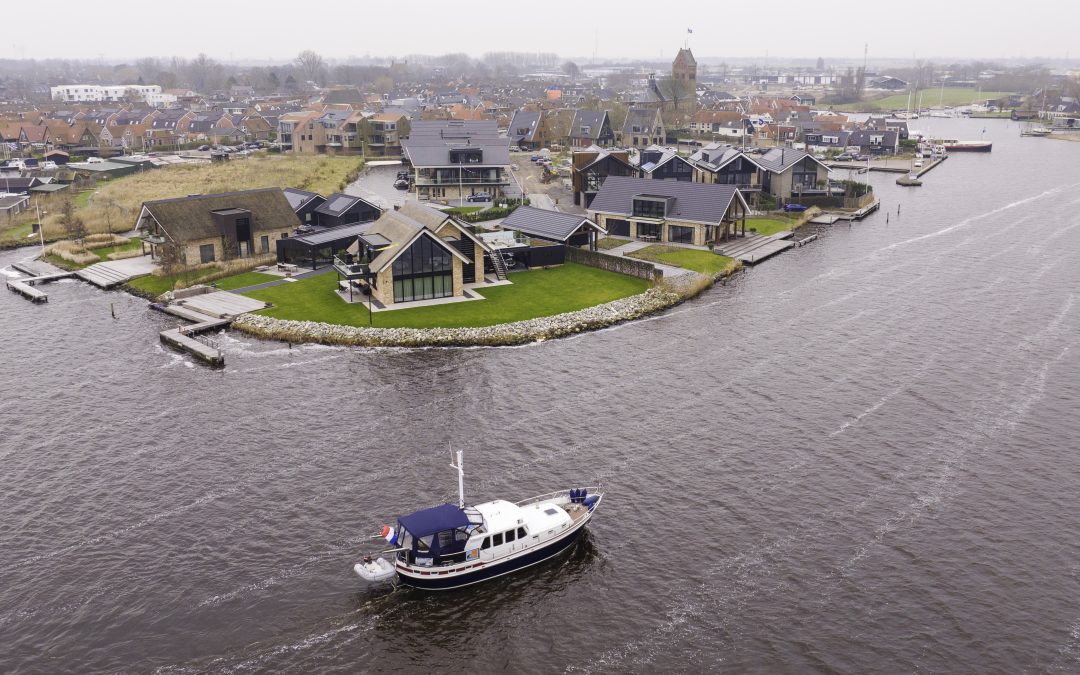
(592, 490)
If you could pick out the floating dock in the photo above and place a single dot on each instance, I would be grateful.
(182, 339)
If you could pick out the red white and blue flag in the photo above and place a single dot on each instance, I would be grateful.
(389, 535)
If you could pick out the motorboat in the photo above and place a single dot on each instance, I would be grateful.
(454, 545)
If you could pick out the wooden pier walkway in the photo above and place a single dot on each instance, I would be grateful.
(209, 311)
(39, 273)
(753, 248)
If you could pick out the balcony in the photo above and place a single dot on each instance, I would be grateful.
(352, 270)
(467, 180)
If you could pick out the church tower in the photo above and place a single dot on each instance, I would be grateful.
(684, 72)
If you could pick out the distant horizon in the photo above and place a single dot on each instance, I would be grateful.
(611, 34)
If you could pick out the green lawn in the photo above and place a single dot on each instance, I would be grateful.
(767, 226)
(533, 294)
(16, 233)
(242, 280)
(704, 262)
(608, 243)
(156, 285)
(133, 245)
(82, 200)
(930, 97)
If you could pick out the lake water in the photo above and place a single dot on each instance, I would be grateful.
(860, 456)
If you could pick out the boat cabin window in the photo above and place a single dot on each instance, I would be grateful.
(510, 536)
(486, 544)
(446, 539)
(497, 539)
(424, 543)
(521, 533)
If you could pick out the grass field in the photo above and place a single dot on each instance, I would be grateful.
(703, 262)
(243, 280)
(533, 294)
(116, 203)
(608, 243)
(930, 97)
(767, 226)
(133, 245)
(156, 285)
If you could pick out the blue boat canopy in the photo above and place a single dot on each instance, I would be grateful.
(437, 519)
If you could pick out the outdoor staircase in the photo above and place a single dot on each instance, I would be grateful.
(103, 275)
(499, 264)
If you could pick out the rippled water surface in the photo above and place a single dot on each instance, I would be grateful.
(861, 456)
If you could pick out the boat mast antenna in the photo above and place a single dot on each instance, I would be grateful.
(460, 466)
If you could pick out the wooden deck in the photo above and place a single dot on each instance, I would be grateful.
(576, 511)
(209, 311)
(40, 272)
(753, 248)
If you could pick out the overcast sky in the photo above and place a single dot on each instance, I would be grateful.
(128, 29)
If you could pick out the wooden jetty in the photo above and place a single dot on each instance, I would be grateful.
(753, 248)
(207, 312)
(182, 339)
(39, 273)
(858, 214)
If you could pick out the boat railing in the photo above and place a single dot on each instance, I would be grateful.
(595, 489)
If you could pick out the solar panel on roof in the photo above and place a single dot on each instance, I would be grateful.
(341, 203)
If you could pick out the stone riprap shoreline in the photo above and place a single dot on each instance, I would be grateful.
(655, 299)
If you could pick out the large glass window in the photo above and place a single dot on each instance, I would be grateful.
(423, 272)
(206, 253)
(681, 235)
(649, 208)
(649, 231)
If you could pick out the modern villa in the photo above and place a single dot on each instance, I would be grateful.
(669, 211)
(454, 159)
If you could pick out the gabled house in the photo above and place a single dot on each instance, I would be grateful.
(669, 211)
(590, 128)
(661, 163)
(304, 203)
(342, 209)
(591, 167)
(297, 131)
(205, 228)
(382, 133)
(724, 122)
(727, 165)
(404, 260)
(643, 127)
(873, 142)
(526, 129)
(791, 173)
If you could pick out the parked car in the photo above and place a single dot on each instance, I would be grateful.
(204, 148)
(794, 208)
(534, 158)
(94, 160)
(479, 197)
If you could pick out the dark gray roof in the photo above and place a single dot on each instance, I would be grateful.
(545, 224)
(700, 202)
(298, 198)
(591, 122)
(779, 160)
(334, 234)
(430, 142)
(338, 203)
(524, 125)
(642, 117)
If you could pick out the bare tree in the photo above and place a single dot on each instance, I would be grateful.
(311, 65)
(73, 225)
(571, 69)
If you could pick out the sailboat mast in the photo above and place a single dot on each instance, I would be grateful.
(460, 481)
